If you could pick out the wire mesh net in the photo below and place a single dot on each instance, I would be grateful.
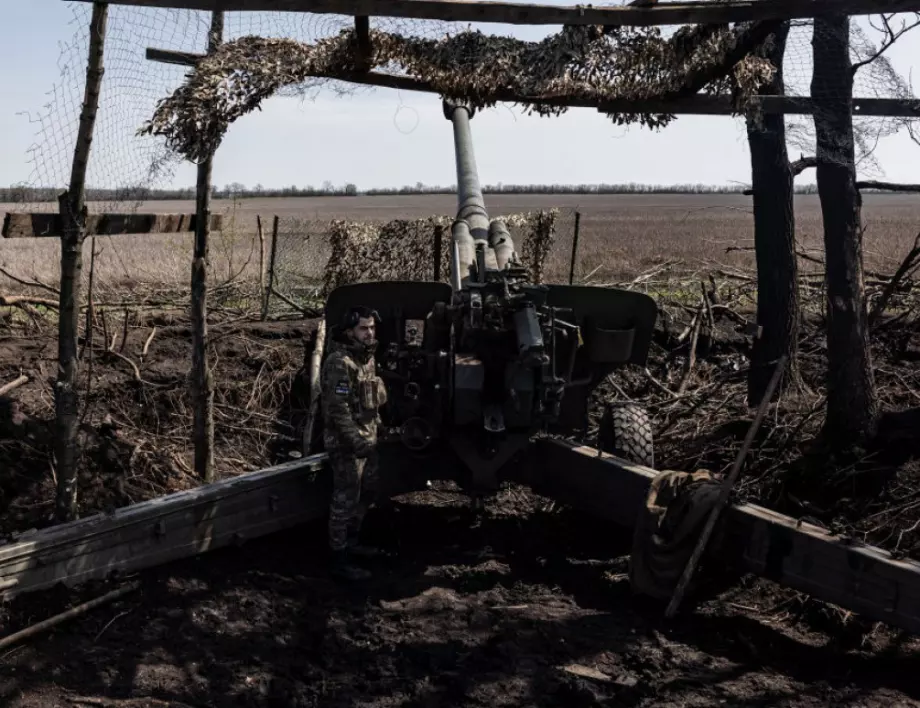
(125, 166)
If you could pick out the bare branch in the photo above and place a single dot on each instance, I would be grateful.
(892, 35)
(907, 265)
(888, 186)
(35, 283)
(802, 164)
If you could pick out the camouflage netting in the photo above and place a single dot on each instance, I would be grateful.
(404, 249)
(580, 62)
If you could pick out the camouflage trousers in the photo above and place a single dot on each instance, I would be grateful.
(354, 489)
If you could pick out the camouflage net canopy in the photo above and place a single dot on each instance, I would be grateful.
(588, 63)
(404, 249)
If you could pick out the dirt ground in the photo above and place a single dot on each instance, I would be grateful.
(519, 608)
(527, 605)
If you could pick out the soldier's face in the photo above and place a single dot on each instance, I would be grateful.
(365, 331)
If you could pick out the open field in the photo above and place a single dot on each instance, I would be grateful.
(621, 237)
(463, 611)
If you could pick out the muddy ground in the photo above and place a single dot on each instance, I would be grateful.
(527, 605)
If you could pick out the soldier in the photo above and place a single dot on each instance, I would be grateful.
(352, 395)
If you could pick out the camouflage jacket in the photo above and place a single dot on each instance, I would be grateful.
(352, 395)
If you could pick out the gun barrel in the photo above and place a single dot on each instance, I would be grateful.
(476, 231)
(471, 207)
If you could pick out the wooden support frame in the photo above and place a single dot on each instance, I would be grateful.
(666, 13)
(37, 225)
(795, 554)
(690, 105)
(176, 526)
(202, 383)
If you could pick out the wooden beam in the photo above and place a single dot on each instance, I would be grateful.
(169, 528)
(668, 13)
(32, 225)
(798, 555)
(795, 554)
(362, 32)
(700, 105)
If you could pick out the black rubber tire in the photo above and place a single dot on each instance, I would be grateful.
(626, 431)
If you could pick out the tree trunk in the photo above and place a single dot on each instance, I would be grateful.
(774, 239)
(852, 406)
(73, 214)
(202, 380)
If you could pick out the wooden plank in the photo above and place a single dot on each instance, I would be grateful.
(165, 529)
(667, 13)
(32, 225)
(799, 555)
(701, 105)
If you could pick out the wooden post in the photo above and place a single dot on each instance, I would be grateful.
(263, 295)
(73, 216)
(271, 266)
(574, 247)
(316, 361)
(724, 491)
(202, 382)
(438, 245)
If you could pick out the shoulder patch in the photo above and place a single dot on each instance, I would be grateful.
(342, 388)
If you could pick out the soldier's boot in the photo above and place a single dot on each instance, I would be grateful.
(360, 550)
(343, 569)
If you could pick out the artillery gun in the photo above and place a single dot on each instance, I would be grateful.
(475, 368)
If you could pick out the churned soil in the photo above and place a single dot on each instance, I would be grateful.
(524, 605)
(527, 604)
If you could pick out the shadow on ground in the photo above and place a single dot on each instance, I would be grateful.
(463, 612)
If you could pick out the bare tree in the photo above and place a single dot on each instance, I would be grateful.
(202, 379)
(72, 204)
(774, 236)
(852, 404)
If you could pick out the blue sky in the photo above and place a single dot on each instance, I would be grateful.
(375, 138)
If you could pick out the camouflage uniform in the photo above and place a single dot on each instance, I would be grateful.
(352, 393)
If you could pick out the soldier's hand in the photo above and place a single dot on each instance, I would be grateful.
(363, 449)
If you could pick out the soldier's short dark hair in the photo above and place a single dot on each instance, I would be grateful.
(356, 314)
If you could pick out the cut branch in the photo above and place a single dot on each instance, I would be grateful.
(802, 164)
(13, 385)
(80, 609)
(18, 300)
(909, 262)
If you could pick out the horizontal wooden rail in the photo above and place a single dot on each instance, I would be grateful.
(690, 105)
(32, 225)
(798, 555)
(165, 529)
(795, 554)
(662, 13)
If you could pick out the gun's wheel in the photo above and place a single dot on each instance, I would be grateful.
(626, 431)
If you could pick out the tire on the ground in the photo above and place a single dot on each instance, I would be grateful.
(626, 431)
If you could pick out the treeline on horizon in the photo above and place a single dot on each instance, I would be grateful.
(21, 194)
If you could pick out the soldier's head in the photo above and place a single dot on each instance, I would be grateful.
(360, 325)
